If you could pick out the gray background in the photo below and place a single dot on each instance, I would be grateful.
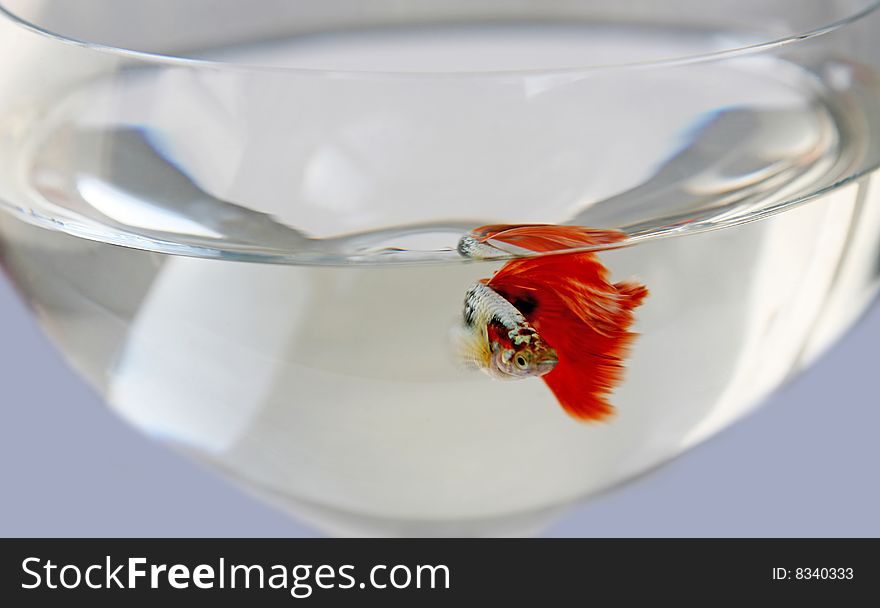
(805, 464)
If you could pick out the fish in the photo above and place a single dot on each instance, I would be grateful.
(557, 316)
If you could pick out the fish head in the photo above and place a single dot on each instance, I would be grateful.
(519, 355)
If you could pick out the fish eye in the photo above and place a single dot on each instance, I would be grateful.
(521, 362)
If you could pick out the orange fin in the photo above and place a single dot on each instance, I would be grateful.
(577, 282)
(569, 300)
(542, 238)
(571, 390)
(633, 291)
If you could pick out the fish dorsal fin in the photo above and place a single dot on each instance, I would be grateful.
(542, 238)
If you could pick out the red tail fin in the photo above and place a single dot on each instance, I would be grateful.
(593, 363)
(635, 292)
(567, 298)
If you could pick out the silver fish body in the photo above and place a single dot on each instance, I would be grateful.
(498, 339)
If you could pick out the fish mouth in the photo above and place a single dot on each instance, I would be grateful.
(546, 366)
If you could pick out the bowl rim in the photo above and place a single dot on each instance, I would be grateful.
(868, 8)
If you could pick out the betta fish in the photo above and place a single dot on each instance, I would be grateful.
(555, 316)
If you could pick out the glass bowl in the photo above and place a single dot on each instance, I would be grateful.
(243, 224)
